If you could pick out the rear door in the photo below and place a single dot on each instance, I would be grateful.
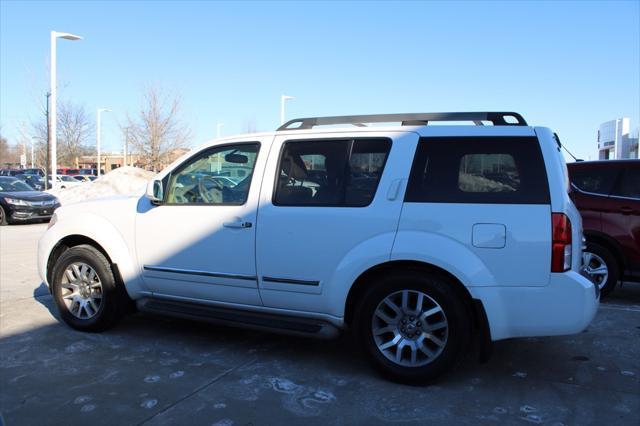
(489, 194)
(327, 202)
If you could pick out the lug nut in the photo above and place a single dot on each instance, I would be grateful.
(411, 318)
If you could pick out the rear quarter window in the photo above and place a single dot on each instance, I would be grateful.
(492, 170)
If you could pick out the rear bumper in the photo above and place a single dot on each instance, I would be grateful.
(566, 306)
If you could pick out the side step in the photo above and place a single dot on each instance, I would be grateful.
(236, 318)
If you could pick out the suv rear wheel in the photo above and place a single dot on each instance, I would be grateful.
(602, 267)
(411, 325)
(84, 290)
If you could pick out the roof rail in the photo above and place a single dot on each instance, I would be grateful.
(415, 119)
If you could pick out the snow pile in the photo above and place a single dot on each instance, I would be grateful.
(121, 181)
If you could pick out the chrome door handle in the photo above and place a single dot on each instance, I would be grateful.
(238, 225)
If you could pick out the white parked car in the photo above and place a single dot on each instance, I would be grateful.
(425, 240)
(65, 181)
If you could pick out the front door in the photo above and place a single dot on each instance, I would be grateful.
(200, 242)
(621, 215)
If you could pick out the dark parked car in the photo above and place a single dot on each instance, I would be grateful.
(34, 181)
(38, 172)
(88, 172)
(10, 172)
(607, 193)
(21, 203)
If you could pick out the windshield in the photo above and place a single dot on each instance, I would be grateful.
(13, 185)
(66, 178)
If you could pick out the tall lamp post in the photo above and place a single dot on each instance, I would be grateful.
(218, 128)
(98, 133)
(283, 99)
(54, 117)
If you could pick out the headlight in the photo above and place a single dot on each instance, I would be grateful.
(17, 202)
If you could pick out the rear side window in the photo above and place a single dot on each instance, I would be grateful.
(597, 180)
(337, 173)
(492, 170)
(629, 184)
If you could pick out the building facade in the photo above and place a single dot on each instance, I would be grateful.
(616, 141)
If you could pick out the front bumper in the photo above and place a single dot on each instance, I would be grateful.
(566, 306)
(28, 213)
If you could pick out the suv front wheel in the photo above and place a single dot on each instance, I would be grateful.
(411, 325)
(84, 290)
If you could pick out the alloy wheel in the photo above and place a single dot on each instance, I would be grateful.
(81, 290)
(596, 268)
(410, 328)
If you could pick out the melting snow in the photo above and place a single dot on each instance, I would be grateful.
(121, 181)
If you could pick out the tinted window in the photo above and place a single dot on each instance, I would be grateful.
(330, 172)
(488, 173)
(478, 170)
(629, 184)
(9, 184)
(597, 180)
(202, 179)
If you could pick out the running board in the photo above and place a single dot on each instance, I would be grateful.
(236, 318)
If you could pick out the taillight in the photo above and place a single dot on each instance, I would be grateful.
(561, 243)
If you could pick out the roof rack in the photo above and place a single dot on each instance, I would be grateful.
(416, 119)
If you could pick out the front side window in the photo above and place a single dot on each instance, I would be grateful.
(338, 173)
(204, 179)
(481, 170)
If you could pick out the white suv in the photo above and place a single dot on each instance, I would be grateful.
(425, 240)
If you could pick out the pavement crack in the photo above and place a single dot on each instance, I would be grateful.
(196, 390)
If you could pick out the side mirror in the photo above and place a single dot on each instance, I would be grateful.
(155, 192)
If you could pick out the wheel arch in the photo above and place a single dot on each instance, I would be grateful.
(608, 242)
(360, 284)
(94, 230)
(72, 241)
(479, 322)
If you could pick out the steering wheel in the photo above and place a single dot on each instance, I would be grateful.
(213, 195)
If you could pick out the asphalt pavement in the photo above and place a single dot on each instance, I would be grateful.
(157, 371)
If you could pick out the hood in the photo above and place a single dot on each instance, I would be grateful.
(28, 195)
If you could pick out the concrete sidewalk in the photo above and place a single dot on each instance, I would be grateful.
(159, 371)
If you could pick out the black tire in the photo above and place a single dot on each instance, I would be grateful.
(613, 267)
(439, 288)
(112, 305)
(3, 217)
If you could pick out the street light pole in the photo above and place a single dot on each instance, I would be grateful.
(32, 151)
(283, 99)
(98, 135)
(54, 140)
(218, 127)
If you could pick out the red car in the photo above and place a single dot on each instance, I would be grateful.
(607, 193)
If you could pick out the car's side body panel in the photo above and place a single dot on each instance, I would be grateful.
(103, 222)
(309, 256)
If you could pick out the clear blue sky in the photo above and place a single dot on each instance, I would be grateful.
(566, 65)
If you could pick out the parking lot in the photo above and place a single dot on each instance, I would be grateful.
(161, 371)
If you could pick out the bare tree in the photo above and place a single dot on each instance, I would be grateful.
(157, 132)
(75, 130)
(9, 154)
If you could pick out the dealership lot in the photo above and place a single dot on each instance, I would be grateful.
(160, 371)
